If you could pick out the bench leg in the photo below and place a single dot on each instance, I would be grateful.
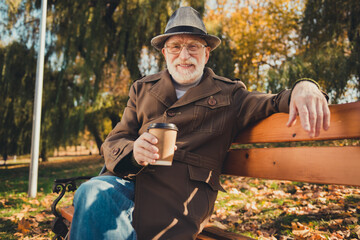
(60, 228)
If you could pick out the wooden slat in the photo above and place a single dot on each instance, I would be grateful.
(328, 165)
(67, 212)
(345, 123)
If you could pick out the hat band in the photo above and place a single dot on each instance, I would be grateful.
(188, 29)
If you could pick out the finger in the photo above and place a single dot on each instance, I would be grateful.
(319, 119)
(175, 148)
(304, 118)
(148, 154)
(312, 119)
(145, 156)
(143, 151)
(292, 117)
(147, 146)
(142, 163)
(326, 111)
(149, 137)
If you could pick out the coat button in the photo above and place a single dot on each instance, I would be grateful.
(171, 114)
(115, 151)
(212, 101)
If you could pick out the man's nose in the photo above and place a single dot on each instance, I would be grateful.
(184, 53)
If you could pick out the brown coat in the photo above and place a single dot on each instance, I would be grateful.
(175, 202)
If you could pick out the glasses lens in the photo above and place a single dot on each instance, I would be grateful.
(192, 48)
(173, 48)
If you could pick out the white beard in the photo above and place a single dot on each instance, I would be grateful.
(187, 76)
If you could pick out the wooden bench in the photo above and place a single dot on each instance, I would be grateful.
(314, 164)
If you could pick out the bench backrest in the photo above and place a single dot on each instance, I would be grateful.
(317, 164)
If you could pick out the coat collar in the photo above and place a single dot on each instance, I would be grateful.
(205, 88)
(164, 90)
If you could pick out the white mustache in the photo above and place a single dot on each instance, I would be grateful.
(190, 61)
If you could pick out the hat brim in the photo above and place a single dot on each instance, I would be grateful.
(159, 41)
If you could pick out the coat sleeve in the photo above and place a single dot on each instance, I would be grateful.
(254, 106)
(118, 146)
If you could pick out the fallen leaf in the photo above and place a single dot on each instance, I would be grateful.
(20, 235)
(40, 217)
(298, 226)
(350, 220)
(302, 233)
(26, 208)
(18, 216)
(34, 202)
(233, 218)
(24, 226)
(357, 231)
(234, 191)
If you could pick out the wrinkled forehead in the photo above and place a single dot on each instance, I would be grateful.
(185, 38)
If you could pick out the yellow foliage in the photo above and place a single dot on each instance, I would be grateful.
(260, 32)
(13, 5)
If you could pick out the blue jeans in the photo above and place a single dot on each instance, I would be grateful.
(103, 210)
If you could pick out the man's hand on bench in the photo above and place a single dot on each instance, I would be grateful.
(309, 103)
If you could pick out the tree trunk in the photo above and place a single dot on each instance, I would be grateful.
(5, 156)
(95, 132)
(43, 153)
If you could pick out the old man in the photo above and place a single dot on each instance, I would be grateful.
(135, 199)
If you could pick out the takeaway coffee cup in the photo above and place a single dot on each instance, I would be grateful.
(166, 134)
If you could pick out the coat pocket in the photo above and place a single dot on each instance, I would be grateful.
(210, 114)
(202, 193)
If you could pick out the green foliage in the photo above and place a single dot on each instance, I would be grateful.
(335, 24)
(330, 47)
(17, 65)
(87, 38)
(319, 64)
(221, 61)
(84, 39)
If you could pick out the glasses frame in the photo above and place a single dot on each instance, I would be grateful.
(186, 47)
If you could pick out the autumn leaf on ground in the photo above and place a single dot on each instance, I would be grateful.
(300, 231)
(24, 226)
(40, 217)
(357, 231)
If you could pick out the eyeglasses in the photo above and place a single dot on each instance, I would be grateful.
(176, 48)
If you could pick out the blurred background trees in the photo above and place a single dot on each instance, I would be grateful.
(96, 49)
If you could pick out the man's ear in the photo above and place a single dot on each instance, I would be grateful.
(163, 52)
(207, 54)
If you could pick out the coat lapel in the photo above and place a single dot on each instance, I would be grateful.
(205, 88)
(163, 89)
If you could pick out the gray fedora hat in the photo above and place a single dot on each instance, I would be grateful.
(185, 20)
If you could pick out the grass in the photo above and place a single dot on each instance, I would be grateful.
(25, 218)
(268, 209)
(263, 209)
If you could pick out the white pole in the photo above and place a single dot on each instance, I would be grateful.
(35, 140)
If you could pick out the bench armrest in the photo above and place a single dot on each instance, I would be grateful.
(63, 185)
